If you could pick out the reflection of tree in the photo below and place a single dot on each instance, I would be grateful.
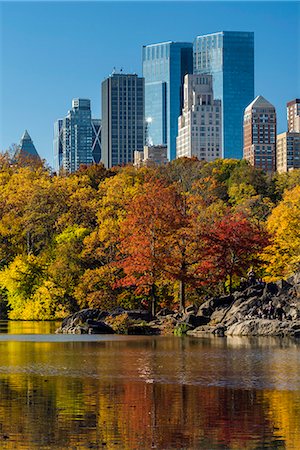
(90, 394)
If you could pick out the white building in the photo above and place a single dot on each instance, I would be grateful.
(199, 126)
(153, 155)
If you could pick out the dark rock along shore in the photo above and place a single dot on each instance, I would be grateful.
(262, 309)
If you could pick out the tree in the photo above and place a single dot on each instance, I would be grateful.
(283, 254)
(151, 219)
(233, 244)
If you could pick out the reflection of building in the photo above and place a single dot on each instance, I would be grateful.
(26, 148)
(164, 67)
(123, 127)
(288, 151)
(293, 115)
(229, 57)
(199, 126)
(154, 155)
(77, 138)
(260, 134)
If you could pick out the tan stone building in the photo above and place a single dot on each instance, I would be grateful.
(293, 115)
(200, 124)
(153, 155)
(288, 151)
(260, 134)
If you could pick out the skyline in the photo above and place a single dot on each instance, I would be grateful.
(77, 50)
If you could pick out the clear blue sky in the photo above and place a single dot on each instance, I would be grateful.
(52, 52)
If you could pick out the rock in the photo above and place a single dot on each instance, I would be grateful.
(205, 309)
(224, 300)
(143, 330)
(196, 321)
(270, 288)
(283, 285)
(165, 312)
(96, 327)
(191, 309)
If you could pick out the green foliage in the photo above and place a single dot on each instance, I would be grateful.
(181, 329)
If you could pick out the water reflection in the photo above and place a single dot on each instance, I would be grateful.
(143, 393)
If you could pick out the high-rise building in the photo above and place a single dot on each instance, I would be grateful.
(260, 134)
(123, 119)
(77, 138)
(96, 140)
(288, 151)
(293, 115)
(26, 148)
(164, 67)
(199, 126)
(229, 57)
(151, 156)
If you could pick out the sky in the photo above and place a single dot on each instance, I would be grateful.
(52, 52)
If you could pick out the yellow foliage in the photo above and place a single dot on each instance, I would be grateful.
(283, 254)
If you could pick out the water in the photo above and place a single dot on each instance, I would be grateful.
(130, 392)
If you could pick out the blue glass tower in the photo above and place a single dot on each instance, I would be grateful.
(26, 148)
(77, 138)
(164, 68)
(229, 57)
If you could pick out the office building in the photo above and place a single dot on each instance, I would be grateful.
(288, 151)
(151, 156)
(199, 126)
(26, 148)
(229, 57)
(77, 138)
(293, 115)
(123, 118)
(164, 67)
(96, 140)
(260, 134)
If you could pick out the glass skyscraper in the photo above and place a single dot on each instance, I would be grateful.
(77, 138)
(123, 118)
(229, 57)
(164, 67)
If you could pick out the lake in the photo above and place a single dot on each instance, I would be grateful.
(133, 392)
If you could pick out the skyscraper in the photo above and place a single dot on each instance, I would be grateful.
(229, 57)
(260, 134)
(123, 119)
(96, 140)
(164, 67)
(293, 115)
(199, 126)
(288, 151)
(26, 148)
(77, 138)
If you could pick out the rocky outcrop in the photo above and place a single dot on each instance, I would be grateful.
(93, 321)
(262, 309)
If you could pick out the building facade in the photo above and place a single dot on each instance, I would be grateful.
(77, 138)
(123, 118)
(152, 155)
(293, 115)
(199, 126)
(288, 151)
(26, 148)
(229, 57)
(164, 67)
(260, 134)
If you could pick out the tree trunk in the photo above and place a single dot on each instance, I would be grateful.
(181, 295)
(153, 300)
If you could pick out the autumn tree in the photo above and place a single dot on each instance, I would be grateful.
(283, 254)
(145, 233)
(233, 244)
